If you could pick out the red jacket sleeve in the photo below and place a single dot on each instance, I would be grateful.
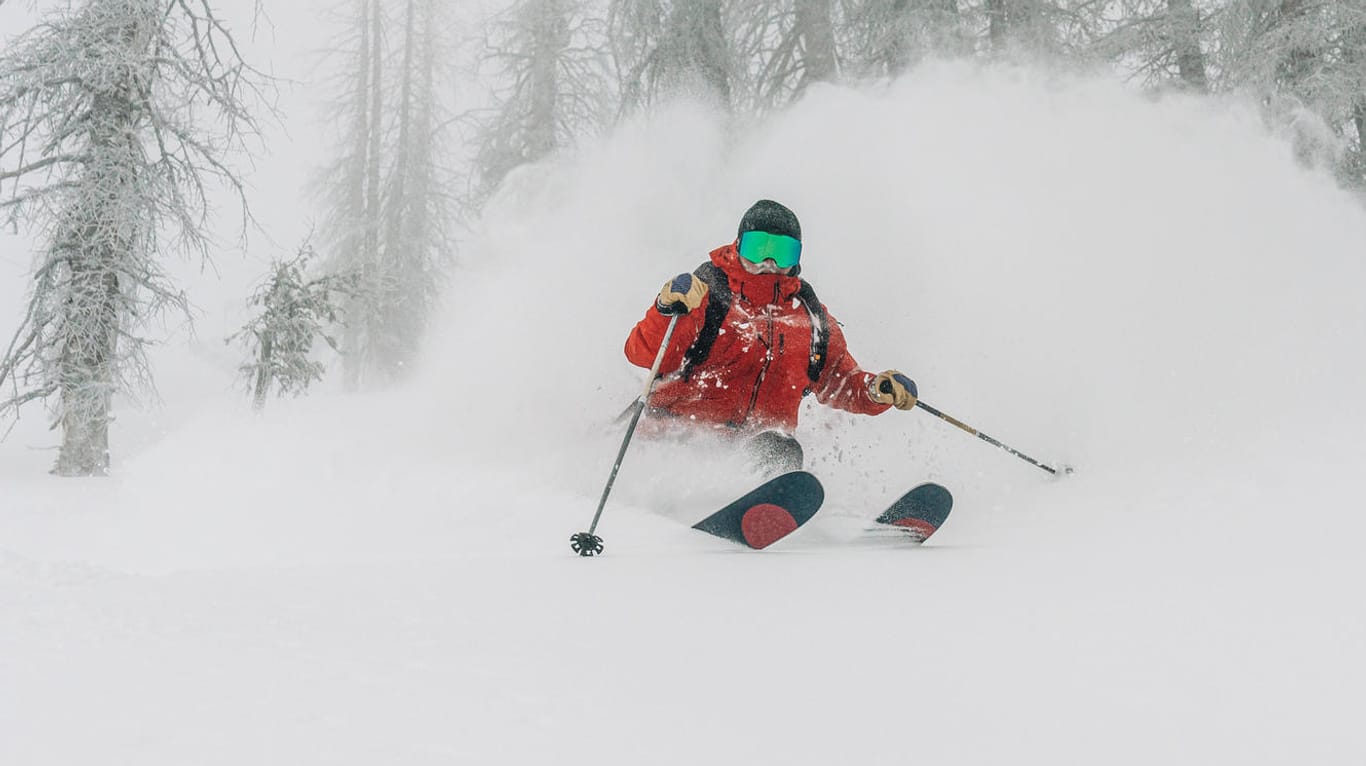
(642, 345)
(842, 384)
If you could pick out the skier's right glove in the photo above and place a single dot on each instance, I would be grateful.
(680, 295)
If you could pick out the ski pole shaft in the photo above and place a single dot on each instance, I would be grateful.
(635, 418)
(956, 422)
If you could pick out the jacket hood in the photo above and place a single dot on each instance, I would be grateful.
(757, 289)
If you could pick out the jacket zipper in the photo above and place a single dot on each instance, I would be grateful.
(768, 358)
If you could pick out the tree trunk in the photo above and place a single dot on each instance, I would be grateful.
(372, 272)
(1355, 159)
(263, 362)
(393, 338)
(1185, 32)
(1019, 24)
(712, 51)
(87, 361)
(354, 218)
(1299, 61)
(896, 54)
(696, 50)
(550, 34)
(818, 42)
(418, 229)
(998, 25)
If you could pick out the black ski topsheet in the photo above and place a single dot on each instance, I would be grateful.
(769, 512)
(920, 512)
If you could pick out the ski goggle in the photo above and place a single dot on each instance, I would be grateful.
(760, 246)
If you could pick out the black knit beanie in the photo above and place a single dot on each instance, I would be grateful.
(767, 215)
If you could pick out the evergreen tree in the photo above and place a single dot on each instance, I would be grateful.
(294, 311)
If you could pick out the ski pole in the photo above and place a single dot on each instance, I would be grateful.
(886, 388)
(955, 421)
(587, 543)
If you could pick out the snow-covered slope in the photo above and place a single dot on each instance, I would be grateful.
(1150, 290)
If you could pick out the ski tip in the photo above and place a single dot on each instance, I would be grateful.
(767, 513)
(765, 524)
(920, 512)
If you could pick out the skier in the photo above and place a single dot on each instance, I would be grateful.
(752, 340)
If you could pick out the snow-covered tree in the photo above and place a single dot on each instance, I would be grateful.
(789, 45)
(1162, 42)
(1024, 26)
(106, 151)
(885, 37)
(1306, 60)
(552, 56)
(294, 310)
(665, 46)
(389, 195)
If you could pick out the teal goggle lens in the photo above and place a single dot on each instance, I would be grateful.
(760, 246)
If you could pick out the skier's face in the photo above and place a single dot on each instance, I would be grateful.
(767, 267)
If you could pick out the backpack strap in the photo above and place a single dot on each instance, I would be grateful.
(718, 305)
(820, 332)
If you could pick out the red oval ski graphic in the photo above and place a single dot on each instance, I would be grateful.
(766, 523)
(918, 528)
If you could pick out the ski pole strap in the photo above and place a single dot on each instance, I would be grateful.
(955, 421)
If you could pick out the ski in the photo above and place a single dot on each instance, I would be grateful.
(769, 512)
(918, 513)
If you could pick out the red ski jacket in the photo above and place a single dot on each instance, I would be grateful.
(757, 371)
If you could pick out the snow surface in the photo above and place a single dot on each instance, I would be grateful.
(1151, 290)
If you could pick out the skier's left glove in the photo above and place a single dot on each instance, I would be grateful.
(895, 388)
